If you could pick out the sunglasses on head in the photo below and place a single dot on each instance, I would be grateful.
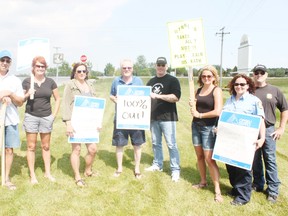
(126, 68)
(206, 76)
(259, 72)
(241, 84)
(160, 65)
(40, 66)
(81, 71)
(7, 60)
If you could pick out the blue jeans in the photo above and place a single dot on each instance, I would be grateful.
(168, 129)
(268, 151)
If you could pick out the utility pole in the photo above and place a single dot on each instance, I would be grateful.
(222, 33)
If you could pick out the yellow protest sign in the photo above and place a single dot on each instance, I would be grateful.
(187, 43)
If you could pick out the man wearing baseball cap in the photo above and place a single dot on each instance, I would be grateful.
(271, 98)
(166, 91)
(11, 92)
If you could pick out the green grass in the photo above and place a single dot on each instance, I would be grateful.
(154, 194)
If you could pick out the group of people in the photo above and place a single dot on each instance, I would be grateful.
(247, 96)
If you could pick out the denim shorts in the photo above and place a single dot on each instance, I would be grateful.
(203, 136)
(120, 137)
(12, 139)
(34, 124)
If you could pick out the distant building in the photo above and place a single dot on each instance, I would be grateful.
(244, 57)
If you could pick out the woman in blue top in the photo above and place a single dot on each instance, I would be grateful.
(242, 100)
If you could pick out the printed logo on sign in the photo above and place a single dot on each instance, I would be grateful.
(241, 121)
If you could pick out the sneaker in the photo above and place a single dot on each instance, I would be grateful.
(153, 168)
(272, 198)
(175, 176)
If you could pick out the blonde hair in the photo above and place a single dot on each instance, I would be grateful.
(214, 72)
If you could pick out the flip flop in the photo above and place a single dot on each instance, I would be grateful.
(117, 174)
(92, 174)
(200, 185)
(137, 175)
(80, 183)
(10, 185)
(218, 197)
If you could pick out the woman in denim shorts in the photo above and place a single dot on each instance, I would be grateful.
(39, 117)
(209, 104)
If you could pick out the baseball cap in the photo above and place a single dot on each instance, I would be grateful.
(259, 67)
(161, 60)
(5, 53)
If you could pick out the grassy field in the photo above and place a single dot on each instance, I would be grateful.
(154, 194)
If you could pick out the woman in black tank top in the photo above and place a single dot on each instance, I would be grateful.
(209, 104)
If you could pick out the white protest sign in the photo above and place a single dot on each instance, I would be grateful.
(236, 134)
(133, 107)
(187, 43)
(30, 48)
(87, 116)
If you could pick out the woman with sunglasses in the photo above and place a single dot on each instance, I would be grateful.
(242, 100)
(78, 85)
(209, 103)
(39, 117)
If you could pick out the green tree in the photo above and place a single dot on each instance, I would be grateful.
(51, 71)
(141, 67)
(109, 70)
(64, 69)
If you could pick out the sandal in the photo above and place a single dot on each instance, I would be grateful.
(218, 197)
(117, 174)
(80, 183)
(92, 174)
(200, 185)
(137, 175)
(10, 185)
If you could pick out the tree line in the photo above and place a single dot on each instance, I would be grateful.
(144, 68)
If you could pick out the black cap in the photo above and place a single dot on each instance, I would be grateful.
(259, 67)
(161, 60)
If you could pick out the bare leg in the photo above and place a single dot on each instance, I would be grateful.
(201, 164)
(31, 149)
(214, 173)
(75, 160)
(8, 162)
(137, 158)
(119, 158)
(92, 150)
(46, 155)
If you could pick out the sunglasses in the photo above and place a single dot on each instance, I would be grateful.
(206, 76)
(7, 60)
(40, 66)
(81, 71)
(126, 68)
(241, 84)
(259, 72)
(160, 65)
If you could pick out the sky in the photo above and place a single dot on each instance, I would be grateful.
(111, 30)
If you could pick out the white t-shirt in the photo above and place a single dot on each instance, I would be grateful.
(13, 84)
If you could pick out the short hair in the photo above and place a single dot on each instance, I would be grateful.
(75, 68)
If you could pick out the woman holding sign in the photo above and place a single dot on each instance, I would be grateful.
(209, 103)
(78, 85)
(242, 100)
(39, 117)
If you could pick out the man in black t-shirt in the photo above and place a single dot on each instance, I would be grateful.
(271, 98)
(166, 92)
